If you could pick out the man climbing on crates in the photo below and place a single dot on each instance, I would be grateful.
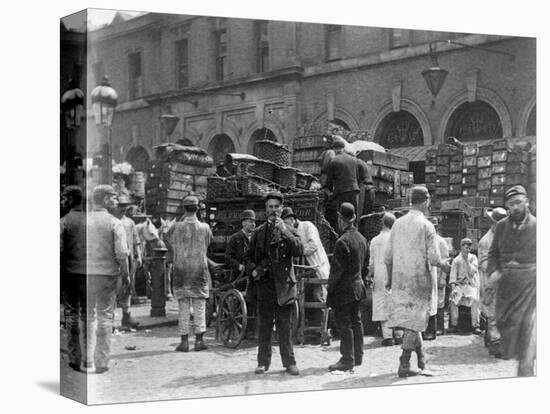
(269, 260)
(346, 175)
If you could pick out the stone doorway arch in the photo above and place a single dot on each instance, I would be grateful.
(219, 146)
(399, 129)
(473, 121)
(139, 158)
(258, 135)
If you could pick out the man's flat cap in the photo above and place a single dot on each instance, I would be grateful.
(248, 215)
(465, 241)
(287, 212)
(514, 191)
(190, 201)
(497, 214)
(419, 194)
(274, 194)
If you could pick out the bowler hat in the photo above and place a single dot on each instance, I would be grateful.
(497, 214)
(123, 199)
(248, 215)
(514, 191)
(274, 194)
(190, 201)
(287, 212)
(338, 142)
(347, 211)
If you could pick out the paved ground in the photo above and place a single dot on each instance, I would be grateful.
(144, 367)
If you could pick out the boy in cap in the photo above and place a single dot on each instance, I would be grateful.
(346, 289)
(492, 336)
(513, 255)
(188, 242)
(134, 261)
(378, 273)
(411, 252)
(464, 281)
(269, 260)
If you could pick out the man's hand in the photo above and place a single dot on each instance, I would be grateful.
(241, 268)
(445, 265)
(139, 262)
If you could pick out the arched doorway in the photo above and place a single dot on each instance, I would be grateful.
(258, 135)
(531, 129)
(139, 158)
(219, 146)
(399, 129)
(473, 121)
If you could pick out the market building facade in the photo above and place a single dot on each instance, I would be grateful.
(223, 83)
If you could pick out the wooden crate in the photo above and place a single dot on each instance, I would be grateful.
(384, 159)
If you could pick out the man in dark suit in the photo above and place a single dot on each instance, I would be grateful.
(345, 176)
(346, 289)
(269, 261)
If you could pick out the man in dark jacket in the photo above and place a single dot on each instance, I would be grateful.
(346, 289)
(238, 243)
(345, 176)
(269, 260)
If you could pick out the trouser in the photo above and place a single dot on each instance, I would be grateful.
(98, 319)
(199, 315)
(127, 288)
(387, 332)
(411, 340)
(474, 312)
(73, 296)
(348, 320)
(432, 325)
(489, 309)
(268, 310)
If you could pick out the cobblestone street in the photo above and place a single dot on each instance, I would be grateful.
(144, 367)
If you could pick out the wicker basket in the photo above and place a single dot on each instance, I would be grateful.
(256, 186)
(274, 152)
(244, 164)
(304, 180)
(218, 187)
(371, 225)
(286, 176)
(327, 235)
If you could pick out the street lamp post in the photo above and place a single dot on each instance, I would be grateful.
(104, 101)
(72, 104)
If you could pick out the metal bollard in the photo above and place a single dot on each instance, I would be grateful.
(158, 298)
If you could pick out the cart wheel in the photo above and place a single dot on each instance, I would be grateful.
(232, 318)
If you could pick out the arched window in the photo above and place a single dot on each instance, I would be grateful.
(531, 129)
(220, 145)
(258, 135)
(139, 158)
(399, 129)
(474, 121)
(340, 123)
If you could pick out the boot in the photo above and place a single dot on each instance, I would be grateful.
(405, 365)
(184, 344)
(421, 360)
(129, 322)
(199, 344)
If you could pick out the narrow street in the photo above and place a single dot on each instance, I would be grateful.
(144, 367)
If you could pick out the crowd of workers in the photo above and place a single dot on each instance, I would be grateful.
(407, 263)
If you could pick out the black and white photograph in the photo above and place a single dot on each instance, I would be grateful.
(257, 207)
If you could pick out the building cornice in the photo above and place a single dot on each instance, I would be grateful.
(400, 54)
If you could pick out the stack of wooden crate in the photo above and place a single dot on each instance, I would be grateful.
(306, 151)
(469, 170)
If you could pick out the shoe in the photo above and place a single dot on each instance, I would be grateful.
(339, 367)
(87, 368)
(405, 371)
(429, 336)
(261, 369)
(388, 342)
(200, 346)
(476, 331)
(292, 370)
(129, 322)
(75, 366)
(183, 346)
(101, 370)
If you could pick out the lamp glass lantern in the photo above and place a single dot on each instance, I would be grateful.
(72, 105)
(434, 75)
(104, 101)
